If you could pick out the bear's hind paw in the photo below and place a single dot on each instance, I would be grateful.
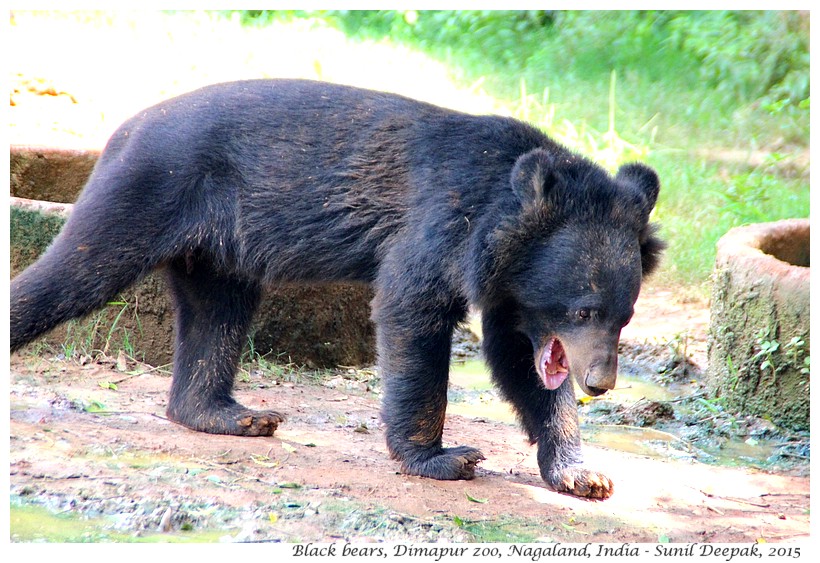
(234, 420)
(258, 423)
(449, 464)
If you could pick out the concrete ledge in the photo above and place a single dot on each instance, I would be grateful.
(50, 174)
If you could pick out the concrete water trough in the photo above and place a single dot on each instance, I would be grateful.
(759, 330)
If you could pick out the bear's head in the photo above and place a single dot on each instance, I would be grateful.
(566, 258)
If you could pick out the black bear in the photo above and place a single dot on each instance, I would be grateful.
(239, 185)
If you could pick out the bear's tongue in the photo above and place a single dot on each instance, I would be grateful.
(553, 364)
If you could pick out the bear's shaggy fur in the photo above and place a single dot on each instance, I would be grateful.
(239, 185)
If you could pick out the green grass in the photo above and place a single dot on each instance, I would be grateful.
(700, 202)
(32, 523)
(504, 530)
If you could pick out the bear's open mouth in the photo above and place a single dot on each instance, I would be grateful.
(552, 364)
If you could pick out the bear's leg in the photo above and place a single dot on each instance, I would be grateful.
(213, 314)
(550, 418)
(414, 358)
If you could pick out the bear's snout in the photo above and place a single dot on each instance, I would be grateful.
(593, 359)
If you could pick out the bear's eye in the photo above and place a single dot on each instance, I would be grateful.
(584, 313)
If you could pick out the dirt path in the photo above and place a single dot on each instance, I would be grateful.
(326, 474)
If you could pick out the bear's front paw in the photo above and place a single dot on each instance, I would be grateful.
(581, 483)
(448, 464)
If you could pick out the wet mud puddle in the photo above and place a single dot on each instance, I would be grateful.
(648, 415)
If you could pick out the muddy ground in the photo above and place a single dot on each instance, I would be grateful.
(90, 445)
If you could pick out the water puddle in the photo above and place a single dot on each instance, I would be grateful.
(640, 416)
(472, 394)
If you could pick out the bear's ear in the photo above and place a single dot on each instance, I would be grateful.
(647, 182)
(533, 176)
(652, 248)
(643, 178)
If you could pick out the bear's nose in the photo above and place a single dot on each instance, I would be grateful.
(594, 391)
(602, 375)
